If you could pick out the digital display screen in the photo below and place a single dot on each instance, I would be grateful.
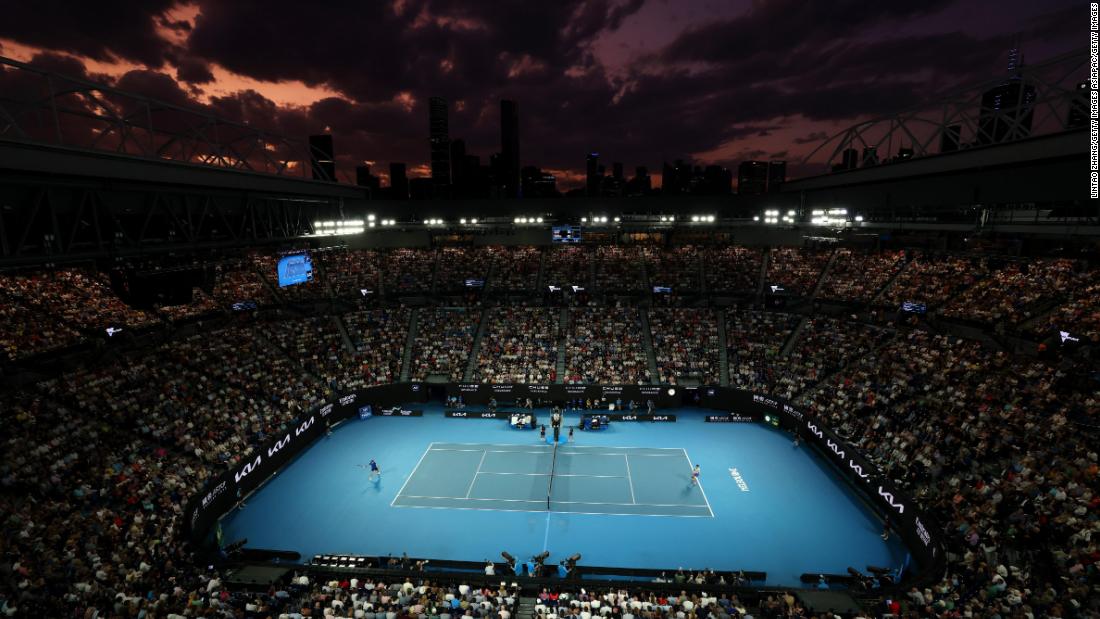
(244, 306)
(662, 290)
(913, 307)
(566, 234)
(475, 283)
(295, 269)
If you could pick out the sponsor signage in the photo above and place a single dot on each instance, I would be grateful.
(399, 412)
(478, 414)
(642, 417)
(728, 418)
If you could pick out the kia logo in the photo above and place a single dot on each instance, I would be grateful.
(246, 469)
(889, 498)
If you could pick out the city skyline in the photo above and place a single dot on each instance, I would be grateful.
(643, 82)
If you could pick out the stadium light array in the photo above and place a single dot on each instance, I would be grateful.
(338, 228)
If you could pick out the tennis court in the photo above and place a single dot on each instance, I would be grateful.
(636, 481)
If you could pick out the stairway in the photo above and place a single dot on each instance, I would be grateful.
(763, 273)
(406, 357)
(889, 282)
(434, 285)
(563, 337)
(723, 352)
(525, 609)
(541, 279)
(343, 329)
(793, 337)
(824, 275)
(647, 340)
(475, 348)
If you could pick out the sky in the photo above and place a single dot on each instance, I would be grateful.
(640, 81)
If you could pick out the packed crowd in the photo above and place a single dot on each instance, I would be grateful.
(317, 345)
(732, 269)
(754, 341)
(25, 332)
(603, 345)
(933, 279)
(1013, 292)
(857, 276)
(986, 443)
(238, 281)
(442, 343)
(677, 268)
(519, 346)
(623, 603)
(379, 337)
(78, 297)
(619, 268)
(685, 344)
(824, 346)
(515, 268)
(1079, 316)
(350, 271)
(796, 269)
(408, 271)
(458, 265)
(568, 265)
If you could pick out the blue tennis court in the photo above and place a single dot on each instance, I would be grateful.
(626, 481)
(469, 488)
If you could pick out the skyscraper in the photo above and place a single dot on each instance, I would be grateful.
(364, 178)
(592, 175)
(752, 178)
(399, 181)
(460, 179)
(509, 148)
(1007, 108)
(777, 175)
(439, 140)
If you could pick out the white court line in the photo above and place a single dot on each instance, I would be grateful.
(583, 475)
(582, 453)
(474, 478)
(492, 451)
(619, 447)
(543, 501)
(458, 498)
(497, 473)
(700, 482)
(629, 479)
(484, 509)
(418, 462)
(520, 445)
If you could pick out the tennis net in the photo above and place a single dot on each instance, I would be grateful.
(550, 484)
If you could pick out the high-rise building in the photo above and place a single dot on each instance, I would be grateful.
(439, 140)
(641, 184)
(364, 178)
(777, 175)
(460, 177)
(592, 175)
(752, 178)
(509, 148)
(399, 182)
(1007, 108)
(716, 181)
(322, 158)
(850, 159)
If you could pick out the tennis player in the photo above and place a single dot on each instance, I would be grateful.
(695, 475)
(374, 471)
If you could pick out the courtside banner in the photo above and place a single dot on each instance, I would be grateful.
(601, 395)
(222, 493)
(906, 518)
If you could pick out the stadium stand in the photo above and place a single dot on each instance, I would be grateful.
(604, 346)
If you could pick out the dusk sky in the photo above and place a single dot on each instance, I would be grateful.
(640, 81)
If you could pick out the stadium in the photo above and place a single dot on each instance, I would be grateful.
(236, 384)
